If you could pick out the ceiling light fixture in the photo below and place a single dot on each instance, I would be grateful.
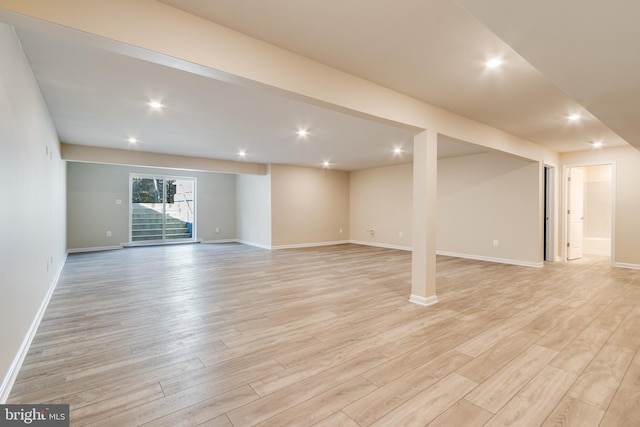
(242, 154)
(397, 151)
(326, 164)
(493, 63)
(303, 132)
(574, 117)
(596, 144)
(156, 105)
(132, 140)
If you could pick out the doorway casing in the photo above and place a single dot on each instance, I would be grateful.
(565, 203)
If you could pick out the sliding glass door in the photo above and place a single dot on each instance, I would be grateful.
(162, 209)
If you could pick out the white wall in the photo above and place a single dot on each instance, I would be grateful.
(253, 209)
(92, 191)
(486, 197)
(382, 199)
(32, 239)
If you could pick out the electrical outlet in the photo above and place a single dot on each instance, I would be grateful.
(108, 234)
(217, 229)
(400, 234)
(340, 231)
(496, 243)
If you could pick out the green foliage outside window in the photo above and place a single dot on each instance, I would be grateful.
(150, 190)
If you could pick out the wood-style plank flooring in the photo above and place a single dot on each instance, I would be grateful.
(231, 335)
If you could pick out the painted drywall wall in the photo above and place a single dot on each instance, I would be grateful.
(626, 161)
(598, 192)
(381, 199)
(481, 198)
(253, 209)
(308, 205)
(32, 240)
(598, 202)
(490, 197)
(92, 191)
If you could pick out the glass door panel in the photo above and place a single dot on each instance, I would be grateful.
(179, 209)
(162, 209)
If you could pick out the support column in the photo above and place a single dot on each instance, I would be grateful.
(423, 259)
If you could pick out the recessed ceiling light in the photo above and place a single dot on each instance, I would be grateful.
(596, 144)
(242, 154)
(326, 164)
(397, 151)
(303, 132)
(132, 140)
(493, 63)
(574, 117)
(156, 105)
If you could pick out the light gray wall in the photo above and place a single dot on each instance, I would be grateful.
(253, 207)
(32, 237)
(92, 191)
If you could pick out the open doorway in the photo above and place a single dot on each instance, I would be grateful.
(589, 214)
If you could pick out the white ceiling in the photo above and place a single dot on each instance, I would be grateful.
(433, 50)
(590, 49)
(99, 98)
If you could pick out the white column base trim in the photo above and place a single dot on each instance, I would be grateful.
(423, 301)
(14, 369)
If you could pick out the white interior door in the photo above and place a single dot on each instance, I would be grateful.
(575, 213)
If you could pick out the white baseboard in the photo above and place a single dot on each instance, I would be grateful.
(381, 245)
(423, 301)
(625, 265)
(296, 246)
(211, 242)
(257, 245)
(490, 259)
(10, 378)
(159, 243)
(311, 245)
(96, 249)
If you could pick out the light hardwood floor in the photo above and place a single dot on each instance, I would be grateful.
(231, 335)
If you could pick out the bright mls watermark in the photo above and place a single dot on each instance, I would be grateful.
(34, 415)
